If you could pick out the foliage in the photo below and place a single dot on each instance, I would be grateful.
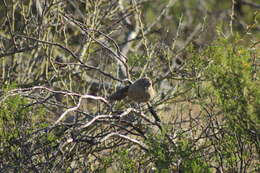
(59, 60)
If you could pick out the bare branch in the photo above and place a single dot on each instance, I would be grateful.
(142, 145)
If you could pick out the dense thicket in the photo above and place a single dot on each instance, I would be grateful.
(61, 59)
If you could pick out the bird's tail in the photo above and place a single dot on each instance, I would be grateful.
(154, 114)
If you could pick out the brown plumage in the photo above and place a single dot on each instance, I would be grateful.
(120, 94)
(140, 91)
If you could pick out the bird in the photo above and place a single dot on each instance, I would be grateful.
(141, 91)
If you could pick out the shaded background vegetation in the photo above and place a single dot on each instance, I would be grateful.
(59, 60)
